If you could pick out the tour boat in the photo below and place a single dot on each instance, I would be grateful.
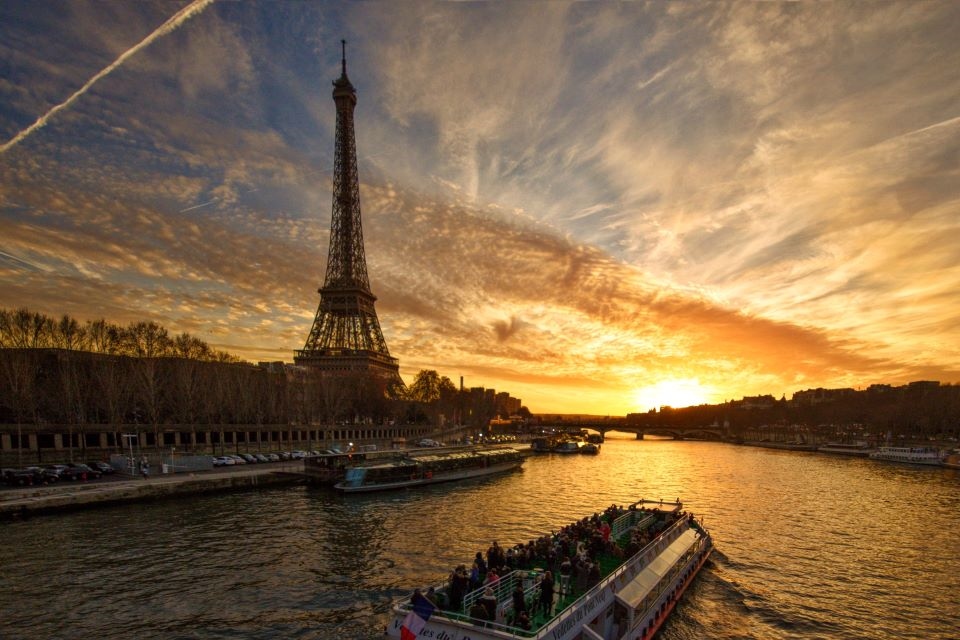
(859, 448)
(422, 469)
(657, 551)
(913, 455)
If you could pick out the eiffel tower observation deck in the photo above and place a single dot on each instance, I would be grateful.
(346, 337)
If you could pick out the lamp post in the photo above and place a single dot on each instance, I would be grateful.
(129, 437)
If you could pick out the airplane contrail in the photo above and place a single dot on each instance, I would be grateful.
(170, 25)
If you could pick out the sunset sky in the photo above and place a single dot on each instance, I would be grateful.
(597, 207)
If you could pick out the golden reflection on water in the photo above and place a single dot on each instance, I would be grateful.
(808, 546)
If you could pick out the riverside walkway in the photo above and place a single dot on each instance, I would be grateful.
(20, 502)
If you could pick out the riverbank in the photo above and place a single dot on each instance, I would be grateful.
(17, 503)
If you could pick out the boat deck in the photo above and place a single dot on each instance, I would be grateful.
(564, 595)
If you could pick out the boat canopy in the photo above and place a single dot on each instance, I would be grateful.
(633, 594)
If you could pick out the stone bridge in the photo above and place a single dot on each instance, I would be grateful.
(603, 425)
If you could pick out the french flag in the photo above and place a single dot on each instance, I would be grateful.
(416, 620)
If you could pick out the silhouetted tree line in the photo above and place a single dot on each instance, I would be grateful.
(919, 411)
(59, 372)
(24, 329)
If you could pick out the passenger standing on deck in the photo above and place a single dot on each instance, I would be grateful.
(605, 531)
(481, 564)
(519, 600)
(475, 580)
(489, 602)
(546, 593)
(593, 575)
(566, 571)
(459, 584)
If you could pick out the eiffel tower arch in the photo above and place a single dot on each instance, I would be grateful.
(345, 337)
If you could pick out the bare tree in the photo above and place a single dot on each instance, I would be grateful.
(23, 329)
(20, 368)
(146, 340)
(102, 337)
(68, 334)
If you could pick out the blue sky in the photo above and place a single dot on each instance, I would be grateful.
(599, 207)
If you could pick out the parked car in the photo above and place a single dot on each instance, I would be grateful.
(65, 473)
(237, 459)
(224, 461)
(272, 457)
(46, 476)
(86, 472)
(298, 455)
(284, 455)
(22, 477)
(102, 467)
(249, 458)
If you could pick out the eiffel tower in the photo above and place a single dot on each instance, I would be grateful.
(346, 337)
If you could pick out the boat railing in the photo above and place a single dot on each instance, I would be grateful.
(630, 568)
(504, 586)
(628, 520)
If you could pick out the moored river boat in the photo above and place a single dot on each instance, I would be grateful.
(423, 469)
(635, 578)
(859, 448)
(911, 455)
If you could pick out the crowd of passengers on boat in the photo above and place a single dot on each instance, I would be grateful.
(572, 555)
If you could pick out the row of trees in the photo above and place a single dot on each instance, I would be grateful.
(25, 329)
(62, 372)
(75, 387)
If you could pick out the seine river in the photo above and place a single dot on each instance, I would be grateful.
(808, 546)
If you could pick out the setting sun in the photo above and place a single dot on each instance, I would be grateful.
(675, 393)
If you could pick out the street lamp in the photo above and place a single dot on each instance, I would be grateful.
(130, 438)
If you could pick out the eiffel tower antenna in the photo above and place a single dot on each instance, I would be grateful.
(346, 336)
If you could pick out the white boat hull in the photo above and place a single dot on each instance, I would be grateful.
(909, 455)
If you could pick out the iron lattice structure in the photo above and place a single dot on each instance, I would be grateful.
(346, 335)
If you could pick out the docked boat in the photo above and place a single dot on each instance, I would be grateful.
(569, 446)
(653, 553)
(912, 455)
(859, 448)
(542, 445)
(423, 469)
(590, 448)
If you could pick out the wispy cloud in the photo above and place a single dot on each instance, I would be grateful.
(170, 25)
(567, 201)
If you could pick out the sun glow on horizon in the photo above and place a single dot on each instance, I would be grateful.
(674, 392)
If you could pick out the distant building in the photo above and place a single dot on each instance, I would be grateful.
(820, 396)
(753, 403)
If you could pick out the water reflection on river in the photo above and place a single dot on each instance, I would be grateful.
(809, 546)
